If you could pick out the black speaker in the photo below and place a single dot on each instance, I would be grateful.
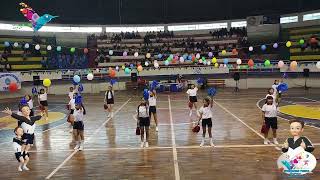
(306, 72)
(36, 80)
(134, 77)
(236, 76)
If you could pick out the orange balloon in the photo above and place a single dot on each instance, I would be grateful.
(234, 51)
(139, 68)
(250, 63)
(112, 73)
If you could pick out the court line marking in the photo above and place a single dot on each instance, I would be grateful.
(174, 148)
(257, 104)
(309, 99)
(87, 140)
(155, 148)
(225, 109)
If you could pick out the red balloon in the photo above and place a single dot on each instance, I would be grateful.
(250, 63)
(13, 87)
(313, 40)
(112, 73)
(85, 50)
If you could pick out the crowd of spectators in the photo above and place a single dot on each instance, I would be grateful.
(65, 61)
(225, 33)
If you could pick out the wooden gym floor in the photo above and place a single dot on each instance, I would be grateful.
(112, 149)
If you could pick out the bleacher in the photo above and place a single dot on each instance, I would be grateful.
(303, 54)
(19, 59)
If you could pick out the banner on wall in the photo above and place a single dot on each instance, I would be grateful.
(7, 78)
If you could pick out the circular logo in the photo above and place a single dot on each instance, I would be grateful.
(7, 81)
(296, 162)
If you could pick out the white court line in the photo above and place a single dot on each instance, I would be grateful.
(174, 148)
(243, 123)
(257, 104)
(154, 148)
(87, 140)
(309, 99)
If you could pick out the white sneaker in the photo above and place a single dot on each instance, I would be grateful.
(275, 141)
(81, 148)
(77, 147)
(147, 145)
(25, 168)
(211, 143)
(157, 129)
(266, 141)
(19, 169)
(142, 144)
(202, 143)
(190, 113)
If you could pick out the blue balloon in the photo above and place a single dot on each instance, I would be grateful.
(212, 91)
(74, 83)
(6, 44)
(263, 47)
(34, 91)
(225, 61)
(190, 57)
(283, 87)
(131, 65)
(200, 81)
(76, 78)
(185, 56)
(146, 94)
(159, 56)
(154, 84)
(113, 81)
(78, 100)
(23, 101)
(80, 88)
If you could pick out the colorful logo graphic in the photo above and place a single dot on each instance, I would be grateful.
(7, 81)
(297, 162)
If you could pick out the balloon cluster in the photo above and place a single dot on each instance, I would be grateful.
(78, 100)
(154, 84)
(113, 81)
(283, 87)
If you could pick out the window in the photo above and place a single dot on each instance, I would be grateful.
(139, 29)
(191, 27)
(289, 19)
(212, 26)
(71, 29)
(182, 27)
(312, 16)
(239, 24)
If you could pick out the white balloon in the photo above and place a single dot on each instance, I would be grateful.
(239, 61)
(90, 76)
(15, 44)
(200, 61)
(146, 63)
(156, 65)
(148, 55)
(181, 59)
(110, 52)
(26, 46)
(280, 64)
(117, 68)
(49, 48)
(250, 48)
(97, 70)
(136, 54)
(208, 63)
(318, 64)
(37, 47)
(198, 56)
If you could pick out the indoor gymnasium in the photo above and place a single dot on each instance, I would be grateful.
(159, 89)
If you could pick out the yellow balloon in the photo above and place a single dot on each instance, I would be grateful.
(46, 82)
(288, 44)
(224, 52)
(216, 65)
(123, 67)
(214, 60)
